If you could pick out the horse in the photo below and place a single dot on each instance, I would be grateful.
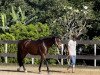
(63, 50)
(35, 47)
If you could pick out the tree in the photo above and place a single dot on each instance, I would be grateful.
(18, 16)
(74, 21)
(52, 12)
(61, 15)
(4, 21)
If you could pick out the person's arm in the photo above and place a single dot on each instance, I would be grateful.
(69, 48)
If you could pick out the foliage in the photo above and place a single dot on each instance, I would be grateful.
(14, 15)
(18, 16)
(98, 45)
(21, 31)
(3, 19)
(53, 50)
(7, 36)
(96, 38)
(51, 12)
(36, 31)
(75, 21)
(11, 47)
(22, 13)
(27, 60)
(32, 31)
(34, 19)
(52, 61)
(36, 61)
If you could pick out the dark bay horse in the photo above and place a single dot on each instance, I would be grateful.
(36, 47)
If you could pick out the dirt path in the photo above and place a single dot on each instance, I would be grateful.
(33, 70)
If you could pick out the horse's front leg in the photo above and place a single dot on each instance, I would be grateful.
(47, 65)
(45, 60)
(40, 65)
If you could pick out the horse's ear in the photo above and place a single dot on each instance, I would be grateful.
(55, 40)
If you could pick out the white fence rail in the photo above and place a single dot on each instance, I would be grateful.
(89, 57)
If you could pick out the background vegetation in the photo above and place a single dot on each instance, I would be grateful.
(34, 19)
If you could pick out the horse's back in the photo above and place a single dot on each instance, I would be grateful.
(24, 42)
(21, 44)
(29, 46)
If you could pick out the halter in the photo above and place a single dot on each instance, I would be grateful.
(57, 42)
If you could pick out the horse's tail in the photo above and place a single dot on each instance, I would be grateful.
(19, 54)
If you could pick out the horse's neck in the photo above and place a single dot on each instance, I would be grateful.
(49, 42)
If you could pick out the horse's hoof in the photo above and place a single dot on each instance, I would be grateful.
(25, 71)
(18, 69)
(39, 72)
(48, 73)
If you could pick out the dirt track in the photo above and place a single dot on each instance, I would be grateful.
(33, 70)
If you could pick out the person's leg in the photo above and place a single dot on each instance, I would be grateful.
(73, 63)
(69, 62)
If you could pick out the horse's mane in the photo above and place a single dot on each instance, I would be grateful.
(48, 37)
(43, 38)
(54, 36)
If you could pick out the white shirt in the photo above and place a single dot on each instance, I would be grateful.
(72, 47)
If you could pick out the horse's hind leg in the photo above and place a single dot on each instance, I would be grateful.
(20, 61)
(22, 65)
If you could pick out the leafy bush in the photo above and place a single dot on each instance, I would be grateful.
(7, 36)
(32, 31)
(36, 61)
(20, 31)
(52, 51)
(11, 47)
(52, 61)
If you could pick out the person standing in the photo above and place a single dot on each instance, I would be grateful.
(72, 53)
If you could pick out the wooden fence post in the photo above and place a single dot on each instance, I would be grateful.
(32, 60)
(94, 55)
(62, 48)
(5, 52)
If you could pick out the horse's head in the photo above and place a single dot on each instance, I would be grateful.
(58, 42)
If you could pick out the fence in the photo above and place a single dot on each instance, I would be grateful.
(89, 57)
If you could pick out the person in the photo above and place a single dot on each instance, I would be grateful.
(72, 53)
